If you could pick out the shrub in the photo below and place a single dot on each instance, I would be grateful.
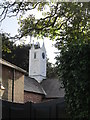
(74, 72)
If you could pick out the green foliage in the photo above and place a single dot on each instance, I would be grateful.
(63, 22)
(6, 44)
(17, 55)
(21, 58)
(73, 42)
(51, 70)
(74, 70)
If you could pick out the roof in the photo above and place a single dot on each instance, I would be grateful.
(53, 88)
(4, 62)
(31, 85)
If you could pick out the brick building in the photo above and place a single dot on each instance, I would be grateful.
(33, 91)
(48, 89)
(13, 82)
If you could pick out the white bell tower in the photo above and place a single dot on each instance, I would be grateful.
(37, 62)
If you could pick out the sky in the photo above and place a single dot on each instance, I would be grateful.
(10, 25)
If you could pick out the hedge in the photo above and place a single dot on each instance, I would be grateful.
(74, 72)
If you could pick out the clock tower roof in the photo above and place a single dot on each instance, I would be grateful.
(43, 46)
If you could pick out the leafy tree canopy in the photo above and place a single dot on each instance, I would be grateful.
(51, 70)
(64, 22)
(13, 53)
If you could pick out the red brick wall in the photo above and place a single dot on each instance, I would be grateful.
(33, 97)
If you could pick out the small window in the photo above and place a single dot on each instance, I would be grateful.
(35, 55)
(43, 55)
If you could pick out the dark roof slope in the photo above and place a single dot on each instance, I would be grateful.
(53, 88)
(31, 85)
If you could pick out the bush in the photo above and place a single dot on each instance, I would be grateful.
(74, 72)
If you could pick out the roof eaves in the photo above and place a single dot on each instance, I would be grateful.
(41, 93)
(6, 63)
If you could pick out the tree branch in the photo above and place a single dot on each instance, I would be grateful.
(16, 7)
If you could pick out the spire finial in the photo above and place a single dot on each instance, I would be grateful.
(43, 46)
(33, 45)
(43, 43)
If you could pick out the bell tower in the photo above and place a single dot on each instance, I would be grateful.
(37, 62)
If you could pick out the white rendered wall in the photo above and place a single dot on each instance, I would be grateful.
(37, 67)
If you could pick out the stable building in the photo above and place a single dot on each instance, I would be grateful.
(12, 79)
(33, 91)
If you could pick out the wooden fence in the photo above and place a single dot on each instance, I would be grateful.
(54, 109)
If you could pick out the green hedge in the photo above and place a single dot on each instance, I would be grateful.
(74, 72)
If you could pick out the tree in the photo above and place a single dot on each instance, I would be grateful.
(17, 55)
(22, 56)
(51, 70)
(63, 21)
(7, 48)
(6, 43)
(17, 8)
(74, 70)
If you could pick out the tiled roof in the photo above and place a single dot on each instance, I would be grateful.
(31, 85)
(53, 88)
